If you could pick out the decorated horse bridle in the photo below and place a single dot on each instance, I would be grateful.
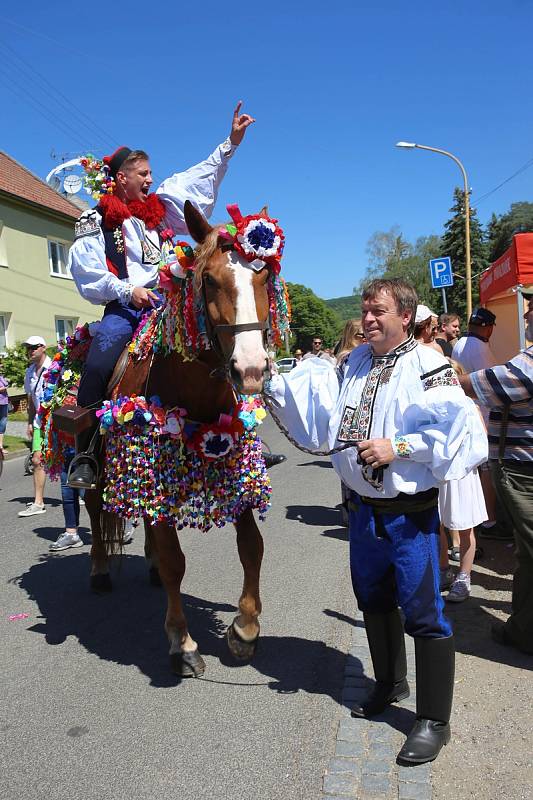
(259, 240)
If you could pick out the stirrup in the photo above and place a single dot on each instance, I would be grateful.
(78, 461)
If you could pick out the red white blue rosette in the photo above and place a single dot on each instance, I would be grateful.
(258, 238)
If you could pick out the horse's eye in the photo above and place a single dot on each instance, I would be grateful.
(210, 281)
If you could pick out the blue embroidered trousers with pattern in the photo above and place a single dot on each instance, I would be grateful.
(115, 331)
(394, 561)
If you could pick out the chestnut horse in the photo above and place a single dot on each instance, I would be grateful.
(236, 307)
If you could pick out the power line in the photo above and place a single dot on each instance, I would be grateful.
(523, 168)
(60, 99)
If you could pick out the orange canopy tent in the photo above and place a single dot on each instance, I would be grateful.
(500, 290)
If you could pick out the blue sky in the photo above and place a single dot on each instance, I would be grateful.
(333, 86)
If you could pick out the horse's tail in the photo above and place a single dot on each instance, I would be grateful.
(112, 529)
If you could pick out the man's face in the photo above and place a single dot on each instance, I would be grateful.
(384, 327)
(528, 316)
(317, 344)
(34, 352)
(452, 329)
(135, 181)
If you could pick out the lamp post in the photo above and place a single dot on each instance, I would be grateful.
(468, 265)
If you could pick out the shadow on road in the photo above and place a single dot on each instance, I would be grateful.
(323, 462)
(320, 516)
(126, 627)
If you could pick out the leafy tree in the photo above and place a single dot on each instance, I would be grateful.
(311, 316)
(15, 364)
(500, 230)
(392, 256)
(454, 245)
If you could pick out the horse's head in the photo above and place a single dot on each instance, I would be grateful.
(236, 303)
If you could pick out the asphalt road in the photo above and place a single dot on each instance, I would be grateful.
(90, 708)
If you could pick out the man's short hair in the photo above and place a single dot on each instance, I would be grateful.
(132, 158)
(404, 295)
(447, 319)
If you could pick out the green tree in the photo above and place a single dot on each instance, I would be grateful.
(500, 230)
(391, 256)
(311, 316)
(346, 308)
(15, 364)
(454, 245)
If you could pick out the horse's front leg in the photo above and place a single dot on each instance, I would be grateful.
(243, 633)
(100, 578)
(185, 660)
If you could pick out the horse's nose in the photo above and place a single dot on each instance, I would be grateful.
(248, 379)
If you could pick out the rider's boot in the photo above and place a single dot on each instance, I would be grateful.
(83, 471)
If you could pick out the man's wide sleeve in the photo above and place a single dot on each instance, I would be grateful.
(199, 184)
(448, 435)
(87, 264)
(304, 401)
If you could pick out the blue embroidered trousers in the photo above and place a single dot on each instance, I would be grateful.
(115, 331)
(394, 561)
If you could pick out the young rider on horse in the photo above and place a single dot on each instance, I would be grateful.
(115, 257)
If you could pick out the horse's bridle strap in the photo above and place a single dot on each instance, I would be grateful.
(243, 326)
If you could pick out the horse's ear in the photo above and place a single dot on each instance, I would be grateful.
(264, 212)
(197, 224)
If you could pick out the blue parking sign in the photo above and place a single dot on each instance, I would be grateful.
(441, 272)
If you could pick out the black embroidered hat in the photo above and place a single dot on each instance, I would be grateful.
(116, 159)
(482, 317)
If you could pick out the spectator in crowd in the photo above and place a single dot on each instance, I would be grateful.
(508, 390)
(425, 327)
(448, 332)
(318, 352)
(298, 354)
(4, 405)
(34, 388)
(352, 337)
(473, 352)
(461, 509)
(407, 427)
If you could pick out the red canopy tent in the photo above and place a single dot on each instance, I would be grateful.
(500, 289)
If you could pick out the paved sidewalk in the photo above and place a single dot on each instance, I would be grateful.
(490, 754)
(364, 765)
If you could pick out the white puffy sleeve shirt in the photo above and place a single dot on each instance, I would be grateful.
(87, 258)
(413, 399)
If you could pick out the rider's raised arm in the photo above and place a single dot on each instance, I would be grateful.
(88, 266)
(199, 184)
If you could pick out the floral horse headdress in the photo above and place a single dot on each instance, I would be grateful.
(180, 324)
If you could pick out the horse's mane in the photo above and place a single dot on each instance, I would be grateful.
(204, 252)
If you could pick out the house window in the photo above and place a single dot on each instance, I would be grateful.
(64, 328)
(3, 332)
(58, 256)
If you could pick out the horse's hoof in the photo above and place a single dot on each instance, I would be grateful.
(187, 665)
(154, 577)
(239, 647)
(101, 583)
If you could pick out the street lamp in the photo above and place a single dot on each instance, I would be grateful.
(468, 265)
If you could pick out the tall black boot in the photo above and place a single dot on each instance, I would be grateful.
(435, 670)
(387, 650)
(83, 470)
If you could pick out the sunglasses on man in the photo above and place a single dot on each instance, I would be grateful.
(32, 347)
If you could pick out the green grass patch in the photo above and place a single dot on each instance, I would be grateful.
(15, 443)
(18, 416)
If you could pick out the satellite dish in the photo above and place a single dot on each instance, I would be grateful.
(72, 184)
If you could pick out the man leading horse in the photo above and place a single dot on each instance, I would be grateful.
(115, 257)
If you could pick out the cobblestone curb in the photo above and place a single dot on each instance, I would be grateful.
(364, 765)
